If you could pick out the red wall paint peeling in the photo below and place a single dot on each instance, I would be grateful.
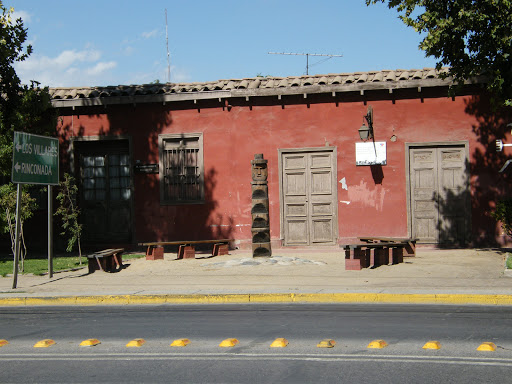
(374, 202)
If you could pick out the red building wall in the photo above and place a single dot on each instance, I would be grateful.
(372, 204)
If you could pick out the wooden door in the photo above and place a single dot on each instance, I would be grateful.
(453, 201)
(439, 194)
(309, 198)
(105, 192)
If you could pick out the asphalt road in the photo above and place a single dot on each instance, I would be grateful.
(406, 328)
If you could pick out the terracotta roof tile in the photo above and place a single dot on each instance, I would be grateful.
(337, 80)
(322, 81)
(255, 84)
(377, 77)
(390, 76)
(295, 82)
(362, 78)
(340, 82)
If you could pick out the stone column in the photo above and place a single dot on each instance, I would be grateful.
(259, 210)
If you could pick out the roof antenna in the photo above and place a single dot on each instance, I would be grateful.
(307, 57)
(167, 45)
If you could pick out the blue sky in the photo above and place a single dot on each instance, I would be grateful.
(112, 42)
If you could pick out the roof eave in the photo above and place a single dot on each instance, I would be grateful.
(258, 92)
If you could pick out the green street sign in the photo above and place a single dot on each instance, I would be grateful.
(35, 159)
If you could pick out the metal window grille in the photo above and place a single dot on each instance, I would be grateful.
(182, 173)
(106, 175)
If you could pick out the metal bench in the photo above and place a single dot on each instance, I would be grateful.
(186, 249)
(108, 260)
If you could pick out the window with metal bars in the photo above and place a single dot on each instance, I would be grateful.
(181, 168)
(106, 177)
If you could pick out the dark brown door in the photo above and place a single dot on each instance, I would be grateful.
(106, 191)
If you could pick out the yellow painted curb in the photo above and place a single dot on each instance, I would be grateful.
(280, 342)
(327, 343)
(44, 343)
(12, 301)
(3, 342)
(377, 344)
(487, 347)
(432, 345)
(457, 299)
(180, 343)
(228, 343)
(90, 343)
(136, 343)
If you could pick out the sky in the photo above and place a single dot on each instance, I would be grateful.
(113, 42)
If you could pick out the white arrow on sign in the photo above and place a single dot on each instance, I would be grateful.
(18, 146)
(17, 167)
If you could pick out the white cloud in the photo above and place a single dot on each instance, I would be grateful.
(68, 68)
(127, 51)
(101, 67)
(25, 16)
(148, 35)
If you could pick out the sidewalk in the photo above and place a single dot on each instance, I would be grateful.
(470, 276)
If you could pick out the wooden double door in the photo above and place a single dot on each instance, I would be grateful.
(308, 196)
(439, 189)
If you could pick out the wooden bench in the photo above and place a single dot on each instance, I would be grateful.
(409, 250)
(108, 260)
(186, 248)
(371, 255)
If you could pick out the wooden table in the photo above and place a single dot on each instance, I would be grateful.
(409, 250)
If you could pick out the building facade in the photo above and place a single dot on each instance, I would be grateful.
(165, 162)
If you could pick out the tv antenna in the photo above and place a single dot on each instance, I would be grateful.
(167, 45)
(329, 56)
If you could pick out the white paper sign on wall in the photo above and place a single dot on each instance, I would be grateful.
(371, 153)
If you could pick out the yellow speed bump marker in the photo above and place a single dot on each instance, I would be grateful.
(487, 347)
(44, 343)
(378, 344)
(90, 343)
(432, 345)
(327, 343)
(3, 342)
(228, 343)
(180, 343)
(280, 342)
(136, 343)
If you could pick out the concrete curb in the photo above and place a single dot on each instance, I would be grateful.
(382, 298)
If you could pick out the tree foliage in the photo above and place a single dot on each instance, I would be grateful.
(503, 214)
(471, 37)
(69, 212)
(25, 108)
(8, 195)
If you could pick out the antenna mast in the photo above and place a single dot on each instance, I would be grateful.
(167, 45)
(307, 56)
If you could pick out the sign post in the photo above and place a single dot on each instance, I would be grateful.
(35, 160)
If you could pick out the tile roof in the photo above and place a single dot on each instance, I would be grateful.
(257, 86)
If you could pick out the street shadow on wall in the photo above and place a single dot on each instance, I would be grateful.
(193, 221)
(377, 173)
(453, 207)
(120, 135)
(488, 185)
(146, 219)
(141, 124)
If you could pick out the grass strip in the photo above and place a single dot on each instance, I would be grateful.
(39, 266)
